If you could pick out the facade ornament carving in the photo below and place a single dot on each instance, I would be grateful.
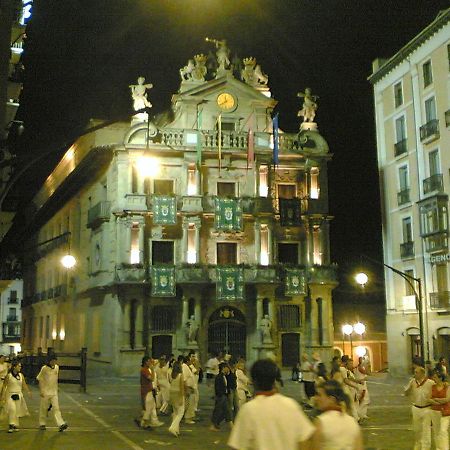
(192, 327)
(309, 107)
(222, 54)
(252, 73)
(200, 70)
(139, 94)
(265, 326)
(186, 71)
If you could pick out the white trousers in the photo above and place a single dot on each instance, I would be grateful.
(242, 397)
(150, 409)
(177, 414)
(46, 401)
(422, 428)
(189, 406)
(440, 430)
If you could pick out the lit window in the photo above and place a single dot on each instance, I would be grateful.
(191, 252)
(134, 251)
(263, 181)
(264, 256)
(315, 189)
(192, 184)
(317, 246)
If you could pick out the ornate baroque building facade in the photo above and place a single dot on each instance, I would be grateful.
(211, 247)
(412, 101)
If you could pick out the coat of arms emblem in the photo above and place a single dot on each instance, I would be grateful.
(230, 283)
(228, 213)
(163, 281)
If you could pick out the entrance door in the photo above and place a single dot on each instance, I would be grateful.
(227, 332)
(290, 349)
(161, 345)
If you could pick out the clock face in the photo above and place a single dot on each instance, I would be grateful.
(225, 101)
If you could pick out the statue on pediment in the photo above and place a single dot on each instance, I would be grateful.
(222, 53)
(200, 70)
(252, 73)
(186, 71)
(309, 107)
(139, 94)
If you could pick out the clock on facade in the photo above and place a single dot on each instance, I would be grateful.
(226, 101)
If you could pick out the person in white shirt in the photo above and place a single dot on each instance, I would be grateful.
(308, 376)
(349, 383)
(189, 389)
(419, 392)
(212, 370)
(270, 421)
(242, 382)
(163, 383)
(335, 428)
(48, 387)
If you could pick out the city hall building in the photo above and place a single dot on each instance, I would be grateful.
(205, 230)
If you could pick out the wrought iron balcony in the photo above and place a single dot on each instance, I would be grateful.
(401, 147)
(440, 300)
(13, 301)
(447, 118)
(403, 197)
(407, 250)
(11, 331)
(314, 206)
(98, 214)
(12, 318)
(437, 241)
(430, 131)
(433, 183)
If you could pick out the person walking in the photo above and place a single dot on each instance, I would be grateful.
(270, 421)
(221, 410)
(11, 396)
(419, 390)
(212, 370)
(233, 401)
(335, 428)
(177, 397)
(440, 410)
(308, 377)
(189, 389)
(163, 383)
(363, 398)
(349, 384)
(148, 384)
(48, 388)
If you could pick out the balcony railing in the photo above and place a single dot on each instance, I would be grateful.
(440, 300)
(11, 318)
(98, 214)
(433, 183)
(429, 131)
(11, 331)
(401, 147)
(407, 250)
(437, 241)
(314, 206)
(403, 197)
(13, 300)
(447, 118)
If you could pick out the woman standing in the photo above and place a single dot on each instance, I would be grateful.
(148, 384)
(335, 429)
(163, 383)
(242, 383)
(363, 399)
(12, 395)
(176, 397)
(440, 410)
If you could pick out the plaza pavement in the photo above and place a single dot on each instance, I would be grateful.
(103, 419)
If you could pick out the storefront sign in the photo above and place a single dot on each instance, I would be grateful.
(436, 259)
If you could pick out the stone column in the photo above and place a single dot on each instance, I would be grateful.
(257, 241)
(270, 244)
(309, 243)
(198, 225)
(198, 181)
(185, 312)
(259, 310)
(198, 311)
(325, 241)
(184, 241)
(142, 243)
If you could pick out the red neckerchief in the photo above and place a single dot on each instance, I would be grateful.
(422, 383)
(332, 408)
(266, 393)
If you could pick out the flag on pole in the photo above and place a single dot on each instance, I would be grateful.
(219, 143)
(199, 138)
(275, 139)
(250, 143)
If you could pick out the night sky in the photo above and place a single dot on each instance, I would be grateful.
(82, 55)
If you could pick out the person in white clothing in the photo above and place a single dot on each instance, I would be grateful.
(242, 382)
(11, 396)
(350, 385)
(176, 397)
(270, 421)
(163, 383)
(189, 389)
(419, 392)
(48, 387)
(335, 429)
(212, 370)
(363, 399)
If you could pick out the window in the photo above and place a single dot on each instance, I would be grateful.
(314, 188)
(163, 318)
(264, 255)
(407, 229)
(163, 187)
(403, 178)
(134, 179)
(226, 125)
(288, 253)
(289, 317)
(433, 163)
(408, 288)
(317, 246)
(192, 182)
(430, 109)
(433, 217)
(226, 189)
(400, 129)
(162, 252)
(441, 277)
(427, 74)
(263, 181)
(287, 191)
(12, 315)
(135, 254)
(226, 253)
(191, 251)
(398, 94)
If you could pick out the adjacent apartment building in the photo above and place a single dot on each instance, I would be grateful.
(412, 113)
(10, 316)
(212, 247)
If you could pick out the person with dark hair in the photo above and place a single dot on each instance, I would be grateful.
(212, 369)
(148, 387)
(308, 376)
(189, 389)
(163, 384)
(233, 401)
(176, 397)
(270, 421)
(440, 409)
(335, 428)
(48, 388)
(12, 396)
(221, 410)
(441, 366)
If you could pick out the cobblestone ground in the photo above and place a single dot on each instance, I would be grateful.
(103, 419)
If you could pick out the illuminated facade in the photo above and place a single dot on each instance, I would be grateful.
(186, 236)
(412, 101)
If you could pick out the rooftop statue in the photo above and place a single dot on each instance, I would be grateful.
(309, 107)
(139, 94)
(252, 73)
(186, 71)
(195, 71)
(221, 53)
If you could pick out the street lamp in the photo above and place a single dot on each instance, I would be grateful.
(359, 328)
(416, 286)
(347, 330)
(68, 261)
(361, 278)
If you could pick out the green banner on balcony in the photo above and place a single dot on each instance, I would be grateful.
(295, 282)
(230, 283)
(228, 214)
(164, 208)
(163, 281)
(290, 214)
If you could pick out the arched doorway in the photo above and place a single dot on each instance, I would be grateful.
(227, 332)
